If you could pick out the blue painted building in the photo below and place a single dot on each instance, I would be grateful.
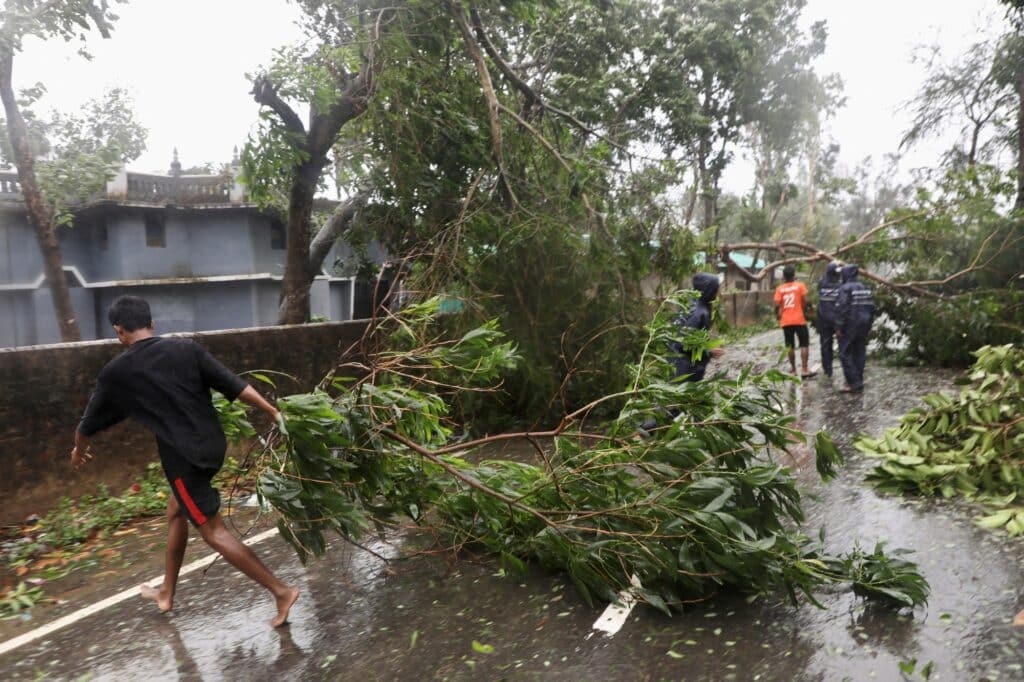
(204, 258)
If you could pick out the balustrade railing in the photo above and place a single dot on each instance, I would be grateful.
(210, 189)
(183, 189)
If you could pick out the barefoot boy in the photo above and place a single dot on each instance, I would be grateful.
(164, 384)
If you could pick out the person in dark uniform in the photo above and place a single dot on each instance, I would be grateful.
(828, 298)
(855, 311)
(164, 384)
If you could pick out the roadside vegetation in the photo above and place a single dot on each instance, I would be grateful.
(79, 533)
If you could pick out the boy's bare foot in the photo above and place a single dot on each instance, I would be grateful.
(284, 604)
(164, 603)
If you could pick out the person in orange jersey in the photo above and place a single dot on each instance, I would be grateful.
(790, 308)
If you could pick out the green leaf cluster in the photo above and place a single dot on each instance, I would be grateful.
(19, 599)
(970, 445)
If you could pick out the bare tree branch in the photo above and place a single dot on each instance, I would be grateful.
(487, 86)
(336, 228)
(264, 92)
(522, 86)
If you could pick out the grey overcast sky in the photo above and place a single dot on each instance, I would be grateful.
(184, 62)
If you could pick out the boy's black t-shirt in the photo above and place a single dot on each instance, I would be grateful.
(164, 384)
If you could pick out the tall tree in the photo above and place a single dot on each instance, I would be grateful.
(286, 159)
(1015, 13)
(722, 65)
(971, 94)
(43, 19)
(76, 154)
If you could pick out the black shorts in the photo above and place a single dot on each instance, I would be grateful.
(192, 487)
(797, 330)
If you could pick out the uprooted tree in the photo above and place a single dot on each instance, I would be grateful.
(705, 505)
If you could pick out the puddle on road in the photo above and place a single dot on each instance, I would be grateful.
(434, 619)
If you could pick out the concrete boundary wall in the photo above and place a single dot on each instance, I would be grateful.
(44, 389)
(744, 308)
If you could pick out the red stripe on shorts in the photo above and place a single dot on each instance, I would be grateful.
(199, 517)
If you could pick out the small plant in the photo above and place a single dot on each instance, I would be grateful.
(20, 599)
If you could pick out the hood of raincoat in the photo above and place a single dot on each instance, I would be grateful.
(850, 272)
(832, 272)
(707, 285)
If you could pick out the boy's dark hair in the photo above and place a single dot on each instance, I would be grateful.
(130, 312)
(789, 273)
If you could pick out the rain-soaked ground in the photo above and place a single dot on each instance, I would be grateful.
(430, 618)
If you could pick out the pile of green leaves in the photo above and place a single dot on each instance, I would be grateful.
(704, 504)
(970, 445)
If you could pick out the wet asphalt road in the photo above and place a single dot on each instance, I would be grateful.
(433, 618)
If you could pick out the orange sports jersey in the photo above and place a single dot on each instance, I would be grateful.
(790, 297)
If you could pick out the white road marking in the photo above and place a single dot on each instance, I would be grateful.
(614, 617)
(64, 621)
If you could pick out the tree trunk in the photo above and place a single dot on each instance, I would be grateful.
(336, 228)
(707, 197)
(1020, 139)
(39, 214)
(298, 274)
(812, 190)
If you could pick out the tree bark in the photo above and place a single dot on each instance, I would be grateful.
(336, 228)
(39, 214)
(297, 275)
(1020, 139)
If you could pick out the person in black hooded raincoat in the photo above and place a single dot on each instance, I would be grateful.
(828, 300)
(699, 317)
(855, 311)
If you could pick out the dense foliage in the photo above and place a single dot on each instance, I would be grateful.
(705, 504)
(963, 248)
(76, 154)
(969, 445)
(528, 158)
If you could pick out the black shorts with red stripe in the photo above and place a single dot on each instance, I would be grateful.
(192, 487)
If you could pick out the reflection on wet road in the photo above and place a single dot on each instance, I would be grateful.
(430, 618)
